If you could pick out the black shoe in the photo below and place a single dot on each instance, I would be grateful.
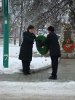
(26, 73)
(53, 77)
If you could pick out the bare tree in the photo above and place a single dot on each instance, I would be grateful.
(37, 12)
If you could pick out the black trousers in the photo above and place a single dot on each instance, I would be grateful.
(26, 66)
(54, 60)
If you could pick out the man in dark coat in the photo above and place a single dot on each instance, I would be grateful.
(26, 49)
(54, 48)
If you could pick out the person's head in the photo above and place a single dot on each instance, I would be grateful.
(50, 29)
(30, 29)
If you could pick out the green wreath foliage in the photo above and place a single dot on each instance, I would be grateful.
(40, 45)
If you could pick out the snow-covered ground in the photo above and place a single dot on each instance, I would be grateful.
(41, 88)
(15, 64)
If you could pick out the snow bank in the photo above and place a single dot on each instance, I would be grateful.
(15, 64)
(41, 88)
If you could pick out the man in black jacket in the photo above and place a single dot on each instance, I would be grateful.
(54, 48)
(26, 49)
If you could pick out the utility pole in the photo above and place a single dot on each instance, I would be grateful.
(6, 34)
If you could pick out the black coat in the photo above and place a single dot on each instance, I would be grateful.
(26, 47)
(53, 45)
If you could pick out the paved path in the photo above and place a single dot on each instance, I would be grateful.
(66, 72)
(35, 97)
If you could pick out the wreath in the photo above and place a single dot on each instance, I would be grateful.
(68, 45)
(40, 45)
